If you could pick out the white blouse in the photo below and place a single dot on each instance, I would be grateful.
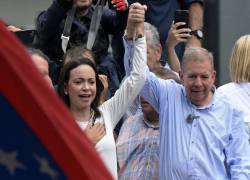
(113, 109)
(239, 94)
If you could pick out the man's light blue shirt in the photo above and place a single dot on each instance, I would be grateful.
(214, 146)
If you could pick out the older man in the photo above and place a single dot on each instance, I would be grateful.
(201, 133)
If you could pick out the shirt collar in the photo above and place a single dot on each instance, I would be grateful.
(150, 125)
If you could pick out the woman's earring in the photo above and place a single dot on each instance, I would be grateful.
(65, 92)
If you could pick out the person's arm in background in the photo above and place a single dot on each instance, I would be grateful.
(176, 36)
(13, 28)
(195, 22)
(48, 22)
(104, 94)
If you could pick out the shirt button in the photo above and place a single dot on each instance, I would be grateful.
(194, 125)
(192, 142)
(191, 158)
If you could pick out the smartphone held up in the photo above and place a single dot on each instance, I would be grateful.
(181, 16)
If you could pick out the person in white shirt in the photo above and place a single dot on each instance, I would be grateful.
(238, 91)
(80, 88)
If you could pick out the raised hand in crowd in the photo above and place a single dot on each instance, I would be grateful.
(175, 36)
(95, 132)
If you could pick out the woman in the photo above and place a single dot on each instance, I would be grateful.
(238, 91)
(80, 88)
(80, 51)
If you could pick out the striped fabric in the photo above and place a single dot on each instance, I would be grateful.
(138, 149)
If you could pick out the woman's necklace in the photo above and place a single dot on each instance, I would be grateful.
(84, 124)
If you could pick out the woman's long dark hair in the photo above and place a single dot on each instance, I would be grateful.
(64, 79)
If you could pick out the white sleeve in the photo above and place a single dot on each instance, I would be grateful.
(130, 88)
(128, 57)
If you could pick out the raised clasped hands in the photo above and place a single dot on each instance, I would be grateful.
(136, 17)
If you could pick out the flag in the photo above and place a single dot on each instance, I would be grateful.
(39, 139)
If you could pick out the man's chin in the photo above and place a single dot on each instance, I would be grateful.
(198, 101)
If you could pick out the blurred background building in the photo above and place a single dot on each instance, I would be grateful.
(225, 21)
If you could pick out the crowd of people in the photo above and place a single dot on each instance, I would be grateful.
(175, 124)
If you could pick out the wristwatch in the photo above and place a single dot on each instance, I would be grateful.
(198, 33)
